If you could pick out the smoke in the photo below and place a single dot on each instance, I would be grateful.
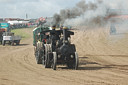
(90, 14)
(78, 10)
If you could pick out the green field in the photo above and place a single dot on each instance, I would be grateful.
(21, 32)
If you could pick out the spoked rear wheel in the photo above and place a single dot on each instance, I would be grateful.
(38, 57)
(54, 61)
(43, 55)
(47, 56)
(46, 60)
(38, 54)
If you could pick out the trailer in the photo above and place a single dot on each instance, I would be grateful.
(10, 38)
(36, 34)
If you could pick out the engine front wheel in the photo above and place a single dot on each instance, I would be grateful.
(76, 63)
(54, 61)
(73, 61)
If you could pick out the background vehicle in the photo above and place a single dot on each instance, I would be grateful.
(4, 27)
(10, 38)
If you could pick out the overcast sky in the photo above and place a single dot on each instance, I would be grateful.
(34, 8)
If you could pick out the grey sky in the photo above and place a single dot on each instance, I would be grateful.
(34, 8)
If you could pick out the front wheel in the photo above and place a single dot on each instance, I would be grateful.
(76, 63)
(73, 61)
(54, 61)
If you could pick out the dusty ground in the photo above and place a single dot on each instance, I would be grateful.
(103, 61)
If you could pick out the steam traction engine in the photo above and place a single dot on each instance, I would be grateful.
(55, 48)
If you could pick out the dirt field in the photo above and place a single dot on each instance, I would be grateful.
(103, 61)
